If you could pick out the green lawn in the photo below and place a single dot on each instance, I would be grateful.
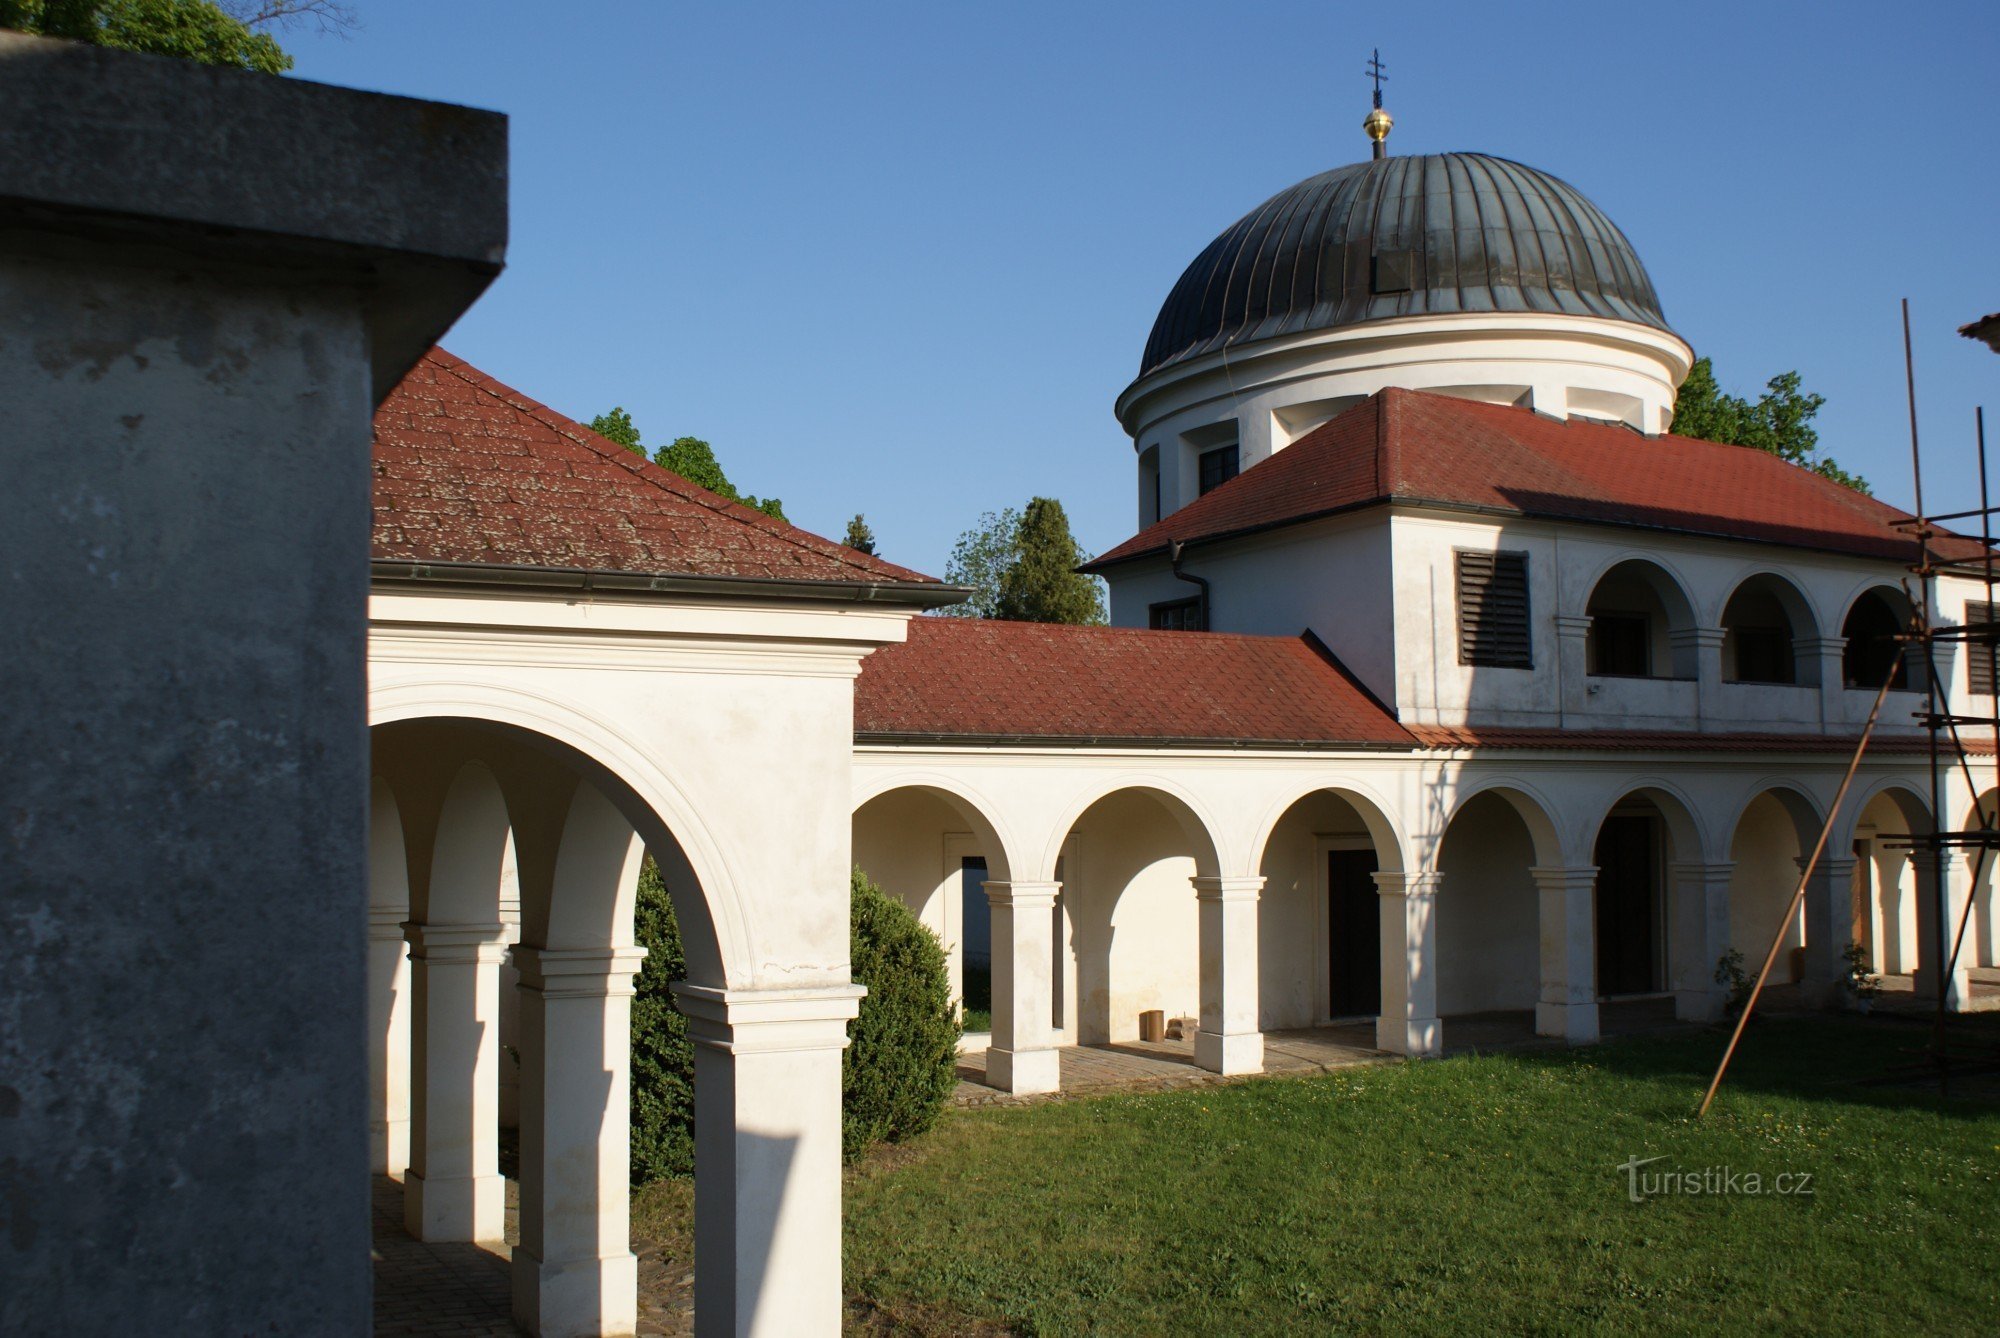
(1468, 1194)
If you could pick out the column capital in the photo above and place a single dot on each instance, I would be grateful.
(740, 1022)
(1228, 889)
(456, 942)
(579, 973)
(385, 923)
(1688, 871)
(1551, 878)
(1394, 883)
(1819, 645)
(1573, 624)
(1021, 893)
(1699, 637)
(1835, 864)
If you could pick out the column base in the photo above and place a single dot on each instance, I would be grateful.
(1229, 1055)
(1418, 1037)
(1698, 1005)
(1923, 984)
(1575, 1023)
(1023, 1072)
(583, 1297)
(473, 1208)
(389, 1147)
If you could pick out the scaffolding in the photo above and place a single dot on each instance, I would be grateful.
(1940, 553)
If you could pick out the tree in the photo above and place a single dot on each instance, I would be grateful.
(618, 426)
(1042, 583)
(662, 1055)
(210, 32)
(1780, 422)
(979, 559)
(859, 537)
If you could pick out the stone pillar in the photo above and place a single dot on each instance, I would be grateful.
(1229, 1041)
(1573, 658)
(453, 1190)
(574, 1270)
(1697, 938)
(1409, 1022)
(1958, 884)
(210, 279)
(1703, 647)
(1568, 1003)
(1023, 1056)
(1822, 661)
(1829, 917)
(388, 1041)
(767, 1156)
(1892, 952)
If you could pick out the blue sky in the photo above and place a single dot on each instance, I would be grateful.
(900, 258)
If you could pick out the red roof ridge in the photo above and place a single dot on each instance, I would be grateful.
(666, 479)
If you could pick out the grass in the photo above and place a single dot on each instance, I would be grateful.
(1471, 1193)
(976, 1019)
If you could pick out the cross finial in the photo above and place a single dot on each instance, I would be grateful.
(1378, 122)
(1378, 72)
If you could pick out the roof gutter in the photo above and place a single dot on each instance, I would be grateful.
(899, 739)
(505, 576)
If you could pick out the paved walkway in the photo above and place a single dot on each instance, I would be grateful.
(437, 1288)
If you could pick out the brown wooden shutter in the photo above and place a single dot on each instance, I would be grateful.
(1493, 610)
(1979, 649)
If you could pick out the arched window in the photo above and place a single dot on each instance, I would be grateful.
(1634, 613)
(1760, 625)
(1873, 651)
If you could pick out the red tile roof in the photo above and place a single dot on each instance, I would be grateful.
(1420, 448)
(979, 680)
(468, 470)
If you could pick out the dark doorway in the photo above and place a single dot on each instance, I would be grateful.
(1353, 934)
(1627, 905)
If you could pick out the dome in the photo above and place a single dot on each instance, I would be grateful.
(1403, 236)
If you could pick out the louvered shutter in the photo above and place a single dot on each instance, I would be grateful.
(1979, 647)
(1493, 610)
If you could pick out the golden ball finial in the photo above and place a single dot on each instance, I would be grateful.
(1377, 124)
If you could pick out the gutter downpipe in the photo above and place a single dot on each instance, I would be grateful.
(1174, 549)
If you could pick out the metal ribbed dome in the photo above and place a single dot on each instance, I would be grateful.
(1409, 236)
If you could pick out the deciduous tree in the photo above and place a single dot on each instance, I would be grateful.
(1780, 422)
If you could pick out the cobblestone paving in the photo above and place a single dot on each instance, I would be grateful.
(436, 1288)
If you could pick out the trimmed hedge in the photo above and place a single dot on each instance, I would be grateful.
(896, 1075)
(902, 1064)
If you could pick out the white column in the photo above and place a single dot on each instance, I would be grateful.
(1958, 885)
(1698, 936)
(388, 1041)
(1829, 916)
(767, 1156)
(453, 1190)
(1568, 1003)
(1892, 954)
(1822, 661)
(1023, 1056)
(1229, 1041)
(1409, 1022)
(1573, 658)
(574, 1270)
(1702, 645)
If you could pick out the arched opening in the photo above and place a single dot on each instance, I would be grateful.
(935, 851)
(1874, 650)
(1127, 863)
(1981, 948)
(486, 814)
(1773, 834)
(1488, 920)
(1637, 612)
(1320, 945)
(1638, 841)
(1765, 619)
(1893, 907)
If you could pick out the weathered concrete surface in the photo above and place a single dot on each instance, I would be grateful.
(183, 577)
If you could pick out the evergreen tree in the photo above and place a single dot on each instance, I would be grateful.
(618, 426)
(859, 537)
(1042, 583)
(1780, 422)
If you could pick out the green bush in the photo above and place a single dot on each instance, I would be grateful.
(902, 1061)
(662, 1057)
(897, 1073)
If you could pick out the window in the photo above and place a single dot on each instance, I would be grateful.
(1979, 651)
(1493, 610)
(1218, 467)
(1621, 645)
(1763, 654)
(1178, 615)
